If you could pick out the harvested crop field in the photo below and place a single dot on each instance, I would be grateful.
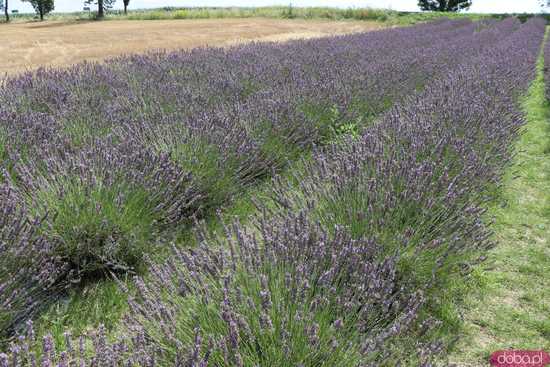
(30, 45)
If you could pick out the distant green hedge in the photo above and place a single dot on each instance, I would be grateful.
(284, 12)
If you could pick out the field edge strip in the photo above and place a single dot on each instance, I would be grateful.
(503, 310)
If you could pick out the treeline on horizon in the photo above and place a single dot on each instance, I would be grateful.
(431, 10)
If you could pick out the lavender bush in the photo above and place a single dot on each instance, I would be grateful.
(92, 349)
(25, 270)
(547, 68)
(291, 295)
(106, 201)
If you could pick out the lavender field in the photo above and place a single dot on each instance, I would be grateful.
(380, 152)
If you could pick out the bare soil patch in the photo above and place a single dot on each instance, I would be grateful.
(25, 46)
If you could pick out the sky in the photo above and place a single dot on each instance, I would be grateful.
(479, 6)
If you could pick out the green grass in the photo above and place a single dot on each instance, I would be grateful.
(277, 12)
(84, 309)
(96, 227)
(508, 306)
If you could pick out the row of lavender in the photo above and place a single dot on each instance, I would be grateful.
(339, 273)
(100, 160)
(547, 69)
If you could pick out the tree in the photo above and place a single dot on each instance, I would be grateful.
(6, 12)
(41, 7)
(444, 5)
(126, 2)
(101, 6)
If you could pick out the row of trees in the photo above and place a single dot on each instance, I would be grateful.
(106, 4)
(444, 5)
(43, 7)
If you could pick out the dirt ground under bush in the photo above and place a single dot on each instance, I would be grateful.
(25, 46)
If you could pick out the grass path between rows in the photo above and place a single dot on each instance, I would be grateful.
(510, 305)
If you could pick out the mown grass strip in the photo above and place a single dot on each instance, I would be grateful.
(509, 307)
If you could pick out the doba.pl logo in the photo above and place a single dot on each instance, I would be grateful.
(520, 358)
